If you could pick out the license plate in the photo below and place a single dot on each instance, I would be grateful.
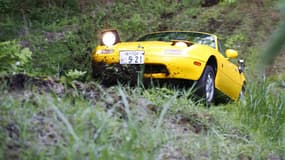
(131, 57)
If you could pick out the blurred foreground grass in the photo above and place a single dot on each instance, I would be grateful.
(135, 123)
(276, 42)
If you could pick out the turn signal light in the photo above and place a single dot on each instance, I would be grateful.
(196, 63)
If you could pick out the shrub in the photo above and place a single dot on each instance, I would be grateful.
(13, 58)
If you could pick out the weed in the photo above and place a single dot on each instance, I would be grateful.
(13, 58)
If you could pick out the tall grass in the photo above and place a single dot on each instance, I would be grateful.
(263, 113)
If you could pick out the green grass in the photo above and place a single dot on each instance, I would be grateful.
(264, 113)
(135, 123)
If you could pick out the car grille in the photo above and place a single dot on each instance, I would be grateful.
(155, 68)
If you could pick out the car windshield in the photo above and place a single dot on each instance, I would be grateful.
(195, 37)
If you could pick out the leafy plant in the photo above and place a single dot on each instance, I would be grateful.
(71, 77)
(13, 58)
(75, 74)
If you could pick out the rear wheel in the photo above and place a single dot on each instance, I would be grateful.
(206, 85)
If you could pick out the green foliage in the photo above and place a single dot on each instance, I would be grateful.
(17, 18)
(4, 6)
(229, 1)
(59, 50)
(262, 115)
(121, 123)
(30, 6)
(75, 74)
(72, 76)
(13, 58)
(235, 41)
(49, 56)
(59, 129)
(264, 110)
(63, 39)
(191, 3)
(135, 25)
(9, 28)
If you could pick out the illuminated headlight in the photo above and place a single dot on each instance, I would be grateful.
(180, 44)
(104, 51)
(109, 38)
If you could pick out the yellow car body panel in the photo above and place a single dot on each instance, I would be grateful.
(177, 64)
(181, 62)
(228, 78)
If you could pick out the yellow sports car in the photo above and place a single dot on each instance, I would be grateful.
(188, 55)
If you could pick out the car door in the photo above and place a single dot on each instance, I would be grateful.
(228, 78)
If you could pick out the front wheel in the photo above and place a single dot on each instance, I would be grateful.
(242, 94)
(206, 85)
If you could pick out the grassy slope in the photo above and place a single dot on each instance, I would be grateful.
(87, 120)
(136, 123)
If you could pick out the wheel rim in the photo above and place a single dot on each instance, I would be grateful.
(209, 88)
(242, 94)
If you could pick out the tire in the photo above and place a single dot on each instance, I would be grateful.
(206, 85)
(242, 94)
(95, 73)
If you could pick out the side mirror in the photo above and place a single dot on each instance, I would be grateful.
(241, 65)
(230, 53)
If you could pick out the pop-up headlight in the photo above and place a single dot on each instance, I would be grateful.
(110, 37)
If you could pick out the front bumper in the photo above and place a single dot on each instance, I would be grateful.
(159, 67)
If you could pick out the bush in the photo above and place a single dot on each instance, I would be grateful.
(13, 58)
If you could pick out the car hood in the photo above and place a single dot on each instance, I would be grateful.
(153, 47)
(144, 45)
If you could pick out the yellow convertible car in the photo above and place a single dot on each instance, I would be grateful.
(195, 56)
